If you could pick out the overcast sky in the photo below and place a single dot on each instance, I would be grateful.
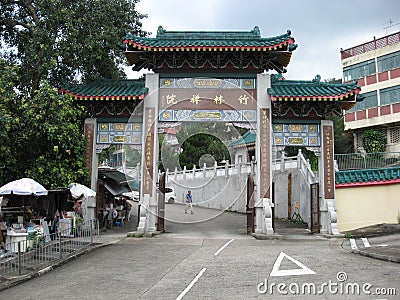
(319, 27)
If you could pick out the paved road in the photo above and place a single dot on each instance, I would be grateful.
(214, 259)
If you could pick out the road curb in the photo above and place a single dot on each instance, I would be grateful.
(13, 281)
(378, 256)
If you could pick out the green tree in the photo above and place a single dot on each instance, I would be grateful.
(343, 140)
(52, 143)
(374, 141)
(10, 123)
(205, 143)
(64, 40)
(46, 43)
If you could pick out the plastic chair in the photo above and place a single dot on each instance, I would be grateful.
(120, 218)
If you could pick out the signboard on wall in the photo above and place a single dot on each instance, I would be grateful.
(148, 151)
(329, 171)
(265, 159)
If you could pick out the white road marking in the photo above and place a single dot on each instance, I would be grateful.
(353, 244)
(223, 247)
(181, 295)
(302, 271)
(366, 243)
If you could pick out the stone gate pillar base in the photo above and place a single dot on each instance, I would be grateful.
(264, 217)
(142, 227)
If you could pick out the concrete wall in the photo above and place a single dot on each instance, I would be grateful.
(224, 193)
(360, 206)
(300, 192)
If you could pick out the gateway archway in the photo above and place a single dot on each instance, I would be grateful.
(181, 102)
(194, 74)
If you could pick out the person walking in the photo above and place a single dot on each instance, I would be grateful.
(189, 200)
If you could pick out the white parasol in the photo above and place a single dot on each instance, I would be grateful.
(77, 190)
(24, 187)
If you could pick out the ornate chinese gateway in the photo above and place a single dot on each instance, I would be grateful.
(217, 76)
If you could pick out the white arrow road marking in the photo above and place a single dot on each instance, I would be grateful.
(181, 295)
(366, 243)
(353, 244)
(223, 247)
(302, 271)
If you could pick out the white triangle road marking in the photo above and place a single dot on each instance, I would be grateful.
(302, 271)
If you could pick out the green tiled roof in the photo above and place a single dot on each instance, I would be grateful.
(248, 138)
(314, 90)
(350, 177)
(107, 90)
(209, 40)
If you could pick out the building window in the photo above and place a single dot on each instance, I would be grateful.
(394, 135)
(371, 100)
(359, 70)
(389, 62)
(390, 95)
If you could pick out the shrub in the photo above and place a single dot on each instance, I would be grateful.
(374, 141)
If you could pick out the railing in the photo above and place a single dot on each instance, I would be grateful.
(372, 45)
(39, 251)
(358, 161)
(210, 172)
(296, 162)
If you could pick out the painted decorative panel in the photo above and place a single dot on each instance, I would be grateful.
(199, 83)
(307, 135)
(208, 115)
(119, 133)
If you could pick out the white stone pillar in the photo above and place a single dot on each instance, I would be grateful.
(148, 208)
(263, 201)
(326, 169)
(92, 158)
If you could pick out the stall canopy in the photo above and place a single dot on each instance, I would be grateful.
(77, 190)
(115, 181)
(23, 187)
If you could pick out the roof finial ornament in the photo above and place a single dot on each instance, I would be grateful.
(317, 79)
(256, 30)
(160, 30)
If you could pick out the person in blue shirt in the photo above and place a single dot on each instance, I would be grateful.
(189, 200)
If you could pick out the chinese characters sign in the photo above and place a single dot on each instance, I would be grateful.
(307, 135)
(89, 130)
(217, 99)
(148, 151)
(329, 171)
(203, 83)
(232, 105)
(265, 159)
(119, 133)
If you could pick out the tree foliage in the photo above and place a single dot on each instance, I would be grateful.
(64, 40)
(10, 122)
(205, 143)
(343, 139)
(45, 43)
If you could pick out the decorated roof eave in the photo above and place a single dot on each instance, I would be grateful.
(144, 60)
(287, 45)
(347, 97)
(210, 41)
(107, 89)
(79, 97)
(282, 90)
